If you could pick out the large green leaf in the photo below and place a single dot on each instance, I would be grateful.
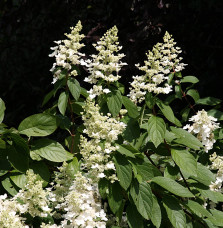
(62, 102)
(132, 130)
(142, 197)
(174, 212)
(2, 110)
(18, 158)
(51, 150)
(194, 94)
(103, 187)
(115, 197)
(18, 179)
(185, 160)
(186, 138)
(156, 130)
(114, 102)
(131, 107)
(217, 218)
(74, 87)
(124, 171)
(38, 125)
(204, 175)
(209, 101)
(190, 79)
(134, 219)
(168, 112)
(125, 150)
(172, 186)
(197, 209)
(9, 186)
(156, 213)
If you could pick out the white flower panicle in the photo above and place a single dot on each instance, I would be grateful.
(217, 164)
(203, 127)
(82, 205)
(67, 52)
(107, 63)
(160, 62)
(34, 197)
(100, 128)
(9, 210)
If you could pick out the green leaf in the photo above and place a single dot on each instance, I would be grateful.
(168, 112)
(147, 171)
(190, 79)
(185, 160)
(132, 130)
(204, 175)
(73, 167)
(5, 167)
(42, 170)
(174, 212)
(84, 92)
(172, 186)
(48, 97)
(9, 186)
(156, 130)
(171, 172)
(216, 113)
(74, 87)
(77, 107)
(19, 180)
(150, 100)
(170, 78)
(134, 219)
(114, 102)
(186, 138)
(124, 171)
(18, 158)
(51, 150)
(115, 197)
(103, 186)
(20, 144)
(209, 101)
(2, 110)
(38, 125)
(125, 150)
(131, 107)
(62, 102)
(197, 209)
(217, 218)
(156, 213)
(194, 94)
(142, 197)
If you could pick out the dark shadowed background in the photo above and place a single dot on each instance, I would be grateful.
(29, 27)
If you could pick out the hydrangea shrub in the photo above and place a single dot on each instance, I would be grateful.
(123, 160)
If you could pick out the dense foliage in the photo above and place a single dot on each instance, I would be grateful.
(123, 157)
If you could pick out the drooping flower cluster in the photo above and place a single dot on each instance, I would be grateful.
(105, 66)
(82, 205)
(203, 127)
(217, 164)
(67, 52)
(103, 131)
(160, 62)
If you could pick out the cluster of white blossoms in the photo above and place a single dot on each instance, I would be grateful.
(67, 52)
(105, 66)
(102, 131)
(82, 205)
(160, 62)
(217, 164)
(203, 127)
(9, 216)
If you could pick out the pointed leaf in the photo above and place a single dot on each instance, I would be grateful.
(185, 161)
(38, 125)
(134, 219)
(115, 102)
(62, 102)
(209, 101)
(124, 171)
(172, 186)
(2, 110)
(156, 130)
(190, 79)
(130, 106)
(156, 213)
(74, 87)
(51, 150)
